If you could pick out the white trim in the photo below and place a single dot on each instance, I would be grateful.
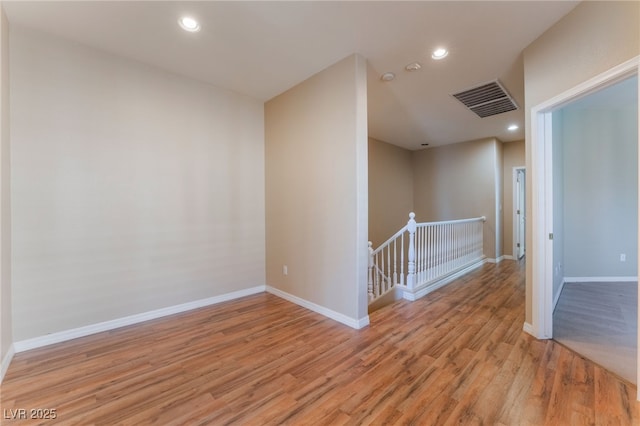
(514, 208)
(423, 291)
(556, 298)
(498, 260)
(600, 279)
(337, 316)
(63, 336)
(6, 361)
(508, 257)
(607, 78)
(541, 218)
(528, 328)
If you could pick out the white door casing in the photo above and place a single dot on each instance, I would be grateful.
(519, 210)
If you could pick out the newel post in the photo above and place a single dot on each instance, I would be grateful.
(370, 281)
(411, 256)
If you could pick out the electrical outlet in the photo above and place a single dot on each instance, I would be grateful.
(623, 257)
(285, 270)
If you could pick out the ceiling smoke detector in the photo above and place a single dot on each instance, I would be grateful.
(487, 99)
(387, 76)
(413, 67)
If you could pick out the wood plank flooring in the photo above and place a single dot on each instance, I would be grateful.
(457, 356)
(600, 321)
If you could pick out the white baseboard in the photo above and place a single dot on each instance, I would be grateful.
(63, 336)
(557, 296)
(337, 316)
(423, 291)
(528, 328)
(599, 279)
(499, 259)
(6, 361)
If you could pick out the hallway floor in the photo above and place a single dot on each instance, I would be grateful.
(455, 356)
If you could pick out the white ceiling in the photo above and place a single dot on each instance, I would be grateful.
(263, 48)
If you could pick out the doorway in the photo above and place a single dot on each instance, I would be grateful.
(595, 222)
(519, 209)
(542, 212)
(543, 226)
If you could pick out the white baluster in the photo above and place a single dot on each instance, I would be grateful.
(402, 259)
(411, 267)
(370, 280)
(389, 275)
(418, 246)
(429, 255)
(395, 262)
(376, 276)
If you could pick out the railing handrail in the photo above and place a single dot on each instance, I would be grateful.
(390, 240)
(429, 251)
(451, 222)
(422, 224)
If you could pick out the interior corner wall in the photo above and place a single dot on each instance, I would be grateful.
(512, 156)
(314, 176)
(390, 190)
(6, 334)
(589, 40)
(458, 181)
(133, 189)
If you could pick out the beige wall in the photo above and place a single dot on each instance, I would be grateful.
(316, 186)
(460, 181)
(390, 190)
(6, 337)
(591, 39)
(512, 156)
(132, 189)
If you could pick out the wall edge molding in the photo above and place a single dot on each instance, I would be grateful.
(62, 336)
(416, 294)
(556, 298)
(598, 279)
(499, 259)
(329, 313)
(528, 328)
(6, 361)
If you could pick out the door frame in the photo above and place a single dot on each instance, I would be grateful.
(540, 214)
(516, 224)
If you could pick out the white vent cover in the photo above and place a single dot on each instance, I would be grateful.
(487, 99)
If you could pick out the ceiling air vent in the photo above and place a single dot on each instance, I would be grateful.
(487, 99)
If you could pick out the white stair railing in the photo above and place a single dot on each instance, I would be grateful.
(434, 250)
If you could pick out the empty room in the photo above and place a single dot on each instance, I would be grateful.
(296, 212)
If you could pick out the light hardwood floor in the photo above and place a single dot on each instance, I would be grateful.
(600, 321)
(457, 356)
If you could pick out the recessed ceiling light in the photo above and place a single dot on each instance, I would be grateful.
(189, 24)
(387, 76)
(413, 67)
(439, 53)
(513, 128)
